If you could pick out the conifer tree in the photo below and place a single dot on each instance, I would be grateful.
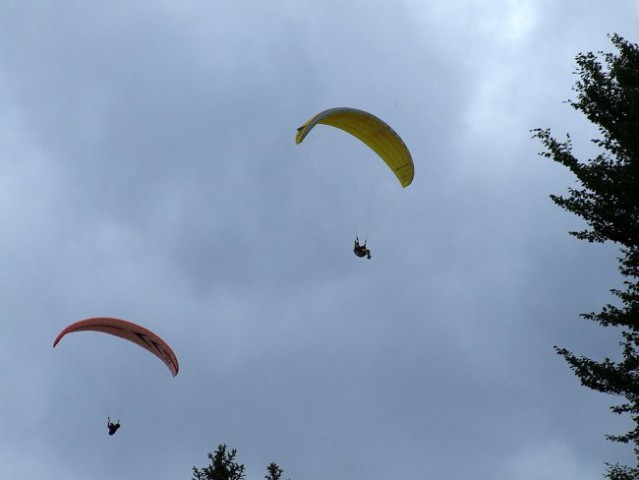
(224, 467)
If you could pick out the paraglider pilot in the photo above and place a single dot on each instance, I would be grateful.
(113, 427)
(361, 250)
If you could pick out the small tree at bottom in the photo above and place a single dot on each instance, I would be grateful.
(223, 466)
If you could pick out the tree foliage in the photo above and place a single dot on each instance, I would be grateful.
(607, 93)
(274, 472)
(223, 466)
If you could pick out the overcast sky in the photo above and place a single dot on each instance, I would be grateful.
(149, 171)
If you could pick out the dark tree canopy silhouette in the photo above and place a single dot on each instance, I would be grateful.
(608, 200)
(274, 472)
(224, 467)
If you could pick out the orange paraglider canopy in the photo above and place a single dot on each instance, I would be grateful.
(129, 331)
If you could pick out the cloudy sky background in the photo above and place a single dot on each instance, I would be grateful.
(148, 171)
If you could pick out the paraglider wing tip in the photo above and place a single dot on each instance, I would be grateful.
(405, 178)
(303, 130)
(300, 135)
(58, 338)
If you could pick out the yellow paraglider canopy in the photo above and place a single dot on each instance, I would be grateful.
(373, 132)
